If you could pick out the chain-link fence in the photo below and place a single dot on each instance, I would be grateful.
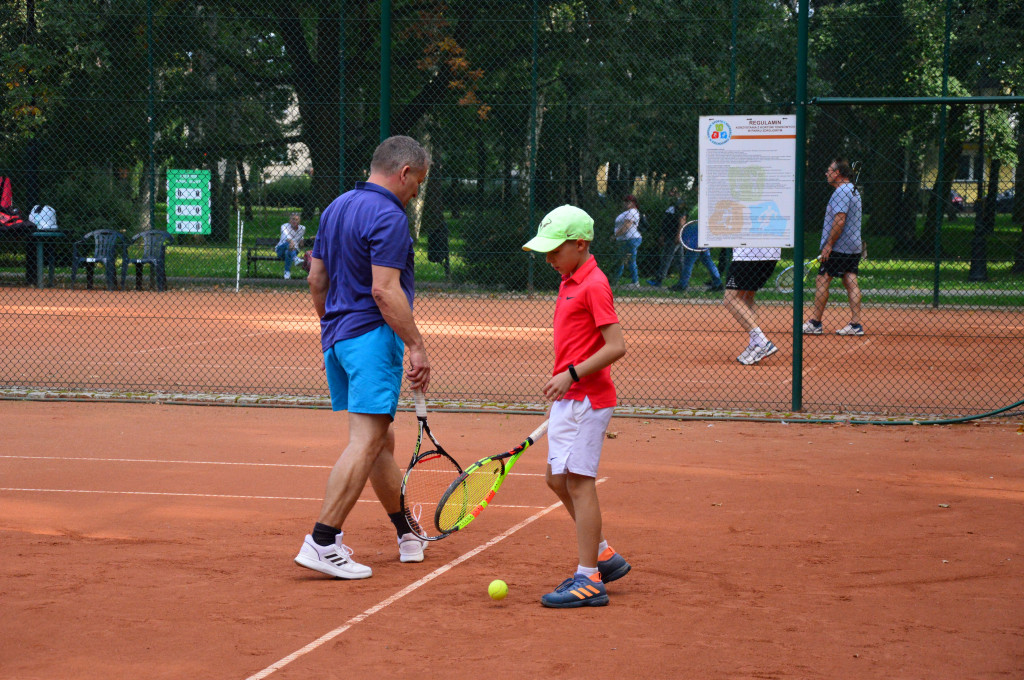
(172, 142)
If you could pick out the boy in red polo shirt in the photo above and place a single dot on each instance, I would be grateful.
(588, 339)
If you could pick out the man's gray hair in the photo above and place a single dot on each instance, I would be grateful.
(396, 152)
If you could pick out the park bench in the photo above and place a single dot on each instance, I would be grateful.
(262, 250)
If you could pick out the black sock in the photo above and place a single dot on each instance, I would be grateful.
(324, 535)
(400, 522)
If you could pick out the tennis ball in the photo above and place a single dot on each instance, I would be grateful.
(497, 590)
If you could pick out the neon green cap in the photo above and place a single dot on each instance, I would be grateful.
(564, 223)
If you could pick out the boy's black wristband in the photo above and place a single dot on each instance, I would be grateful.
(572, 373)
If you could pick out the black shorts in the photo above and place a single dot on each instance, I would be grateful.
(838, 264)
(749, 274)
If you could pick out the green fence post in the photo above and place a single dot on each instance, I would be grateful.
(533, 144)
(798, 204)
(150, 114)
(385, 69)
(341, 96)
(732, 57)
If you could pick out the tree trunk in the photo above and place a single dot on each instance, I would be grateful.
(246, 196)
(1018, 200)
(943, 177)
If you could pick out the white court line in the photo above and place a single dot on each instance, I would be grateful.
(180, 462)
(206, 462)
(400, 594)
(168, 493)
(219, 495)
(200, 342)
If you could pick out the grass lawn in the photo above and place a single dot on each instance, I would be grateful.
(885, 276)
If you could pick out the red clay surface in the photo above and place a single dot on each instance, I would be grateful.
(681, 354)
(157, 541)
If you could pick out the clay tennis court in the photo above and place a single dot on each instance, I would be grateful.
(148, 540)
(681, 353)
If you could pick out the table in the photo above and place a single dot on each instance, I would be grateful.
(45, 241)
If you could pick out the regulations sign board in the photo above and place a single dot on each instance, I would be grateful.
(747, 181)
(188, 201)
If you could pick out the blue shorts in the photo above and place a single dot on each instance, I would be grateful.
(364, 373)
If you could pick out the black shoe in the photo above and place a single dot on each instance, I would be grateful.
(714, 289)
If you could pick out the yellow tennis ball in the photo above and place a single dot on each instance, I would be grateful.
(497, 590)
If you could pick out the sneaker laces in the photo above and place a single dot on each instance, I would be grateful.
(344, 550)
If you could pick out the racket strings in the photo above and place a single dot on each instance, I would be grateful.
(464, 497)
(428, 478)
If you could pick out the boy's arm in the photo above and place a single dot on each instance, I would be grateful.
(613, 350)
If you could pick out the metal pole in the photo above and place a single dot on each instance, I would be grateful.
(799, 200)
(150, 115)
(341, 96)
(385, 69)
(916, 101)
(533, 143)
(940, 203)
(732, 58)
(798, 203)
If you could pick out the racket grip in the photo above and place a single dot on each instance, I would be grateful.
(539, 432)
(421, 403)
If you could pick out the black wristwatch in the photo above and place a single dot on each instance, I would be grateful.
(572, 373)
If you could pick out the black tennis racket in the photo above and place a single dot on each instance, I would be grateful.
(785, 281)
(428, 476)
(688, 237)
(467, 496)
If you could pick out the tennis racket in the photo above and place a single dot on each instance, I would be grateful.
(784, 282)
(472, 491)
(428, 476)
(688, 237)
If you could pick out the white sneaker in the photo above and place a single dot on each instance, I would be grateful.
(287, 275)
(760, 352)
(745, 354)
(812, 327)
(410, 548)
(333, 560)
(851, 329)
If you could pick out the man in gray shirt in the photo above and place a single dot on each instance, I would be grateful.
(841, 248)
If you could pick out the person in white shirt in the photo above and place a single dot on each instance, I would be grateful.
(627, 240)
(288, 247)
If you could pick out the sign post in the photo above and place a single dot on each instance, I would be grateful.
(188, 201)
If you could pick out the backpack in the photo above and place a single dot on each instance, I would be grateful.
(644, 224)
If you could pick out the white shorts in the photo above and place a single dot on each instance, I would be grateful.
(575, 436)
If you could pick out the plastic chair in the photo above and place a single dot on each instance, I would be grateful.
(154, 253)
(105, 244)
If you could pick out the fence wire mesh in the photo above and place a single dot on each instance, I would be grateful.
(173, 141)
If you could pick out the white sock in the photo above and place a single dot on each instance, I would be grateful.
(586, 571)
(757, 337)
(602, 546)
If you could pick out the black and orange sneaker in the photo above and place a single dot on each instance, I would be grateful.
(578, 591)
(612, 565)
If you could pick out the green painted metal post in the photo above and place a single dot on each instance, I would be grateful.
(533, 144)
(940, 201)
(385, 69)
(150, 113)
(798, 203)
(732, 57)
(341, 96)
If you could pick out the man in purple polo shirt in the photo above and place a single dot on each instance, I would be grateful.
(361, 280)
